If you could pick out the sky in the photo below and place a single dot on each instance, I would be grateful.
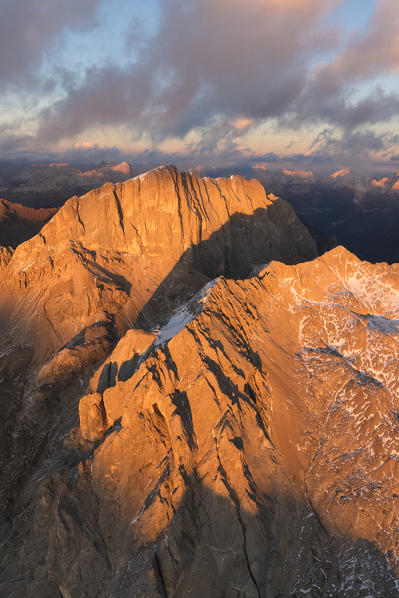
(308, 84)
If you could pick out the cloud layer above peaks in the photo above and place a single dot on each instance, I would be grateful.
(209, 57)
(219, 69)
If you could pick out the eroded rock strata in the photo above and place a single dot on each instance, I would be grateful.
(244, 447)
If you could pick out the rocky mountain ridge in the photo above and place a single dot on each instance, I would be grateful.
(106, 254)
(186, 416)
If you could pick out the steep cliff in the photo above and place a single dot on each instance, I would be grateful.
(139, 247)
(244, 446)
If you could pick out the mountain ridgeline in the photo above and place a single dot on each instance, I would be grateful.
(193, 403)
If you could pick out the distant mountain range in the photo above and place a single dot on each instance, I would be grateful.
(19, 223)
(360, 213)
(49, 185)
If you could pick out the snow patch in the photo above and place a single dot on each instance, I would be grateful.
(177, 322)
(184, 315)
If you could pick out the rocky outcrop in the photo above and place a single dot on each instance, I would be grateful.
(122, 167)
(246, 448)
(5, 256)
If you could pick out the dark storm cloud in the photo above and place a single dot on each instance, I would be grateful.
(12, 144)
(27, 27)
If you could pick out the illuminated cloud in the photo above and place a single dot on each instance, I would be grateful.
(303, 174)
(253, 66)
(259, 166)
(339, 173)
(88, 145)
(211, 79)
(242, 123)
(395, 186)
(369, 54)
(380, 183)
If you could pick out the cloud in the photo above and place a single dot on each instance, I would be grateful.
(303, 174)
(374, 51)
(242, 124)
(358, 149)
(215, 75)
(15, 144)
(256, 65)
(212, 74)
(85, 145)
(28, 28)
(379, 183)
(395, 186)
(330, 95)
(245, 61)
(339, 173)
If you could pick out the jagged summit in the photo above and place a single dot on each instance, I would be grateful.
(134, 249)
(193, 404)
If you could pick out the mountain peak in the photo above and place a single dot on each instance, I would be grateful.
(133, 249)
(218, 405)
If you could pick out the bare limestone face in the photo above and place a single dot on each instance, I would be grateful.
(240, 440)
(139, 247)
(253, 452)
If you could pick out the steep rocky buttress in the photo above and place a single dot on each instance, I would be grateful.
(187, 419)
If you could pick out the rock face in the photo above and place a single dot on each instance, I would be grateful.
(245, 447)
(120, 256)
(138, 248)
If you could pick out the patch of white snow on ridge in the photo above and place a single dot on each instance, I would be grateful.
(142, 175)
(177, 322)
(184, 315)
(373, 292)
